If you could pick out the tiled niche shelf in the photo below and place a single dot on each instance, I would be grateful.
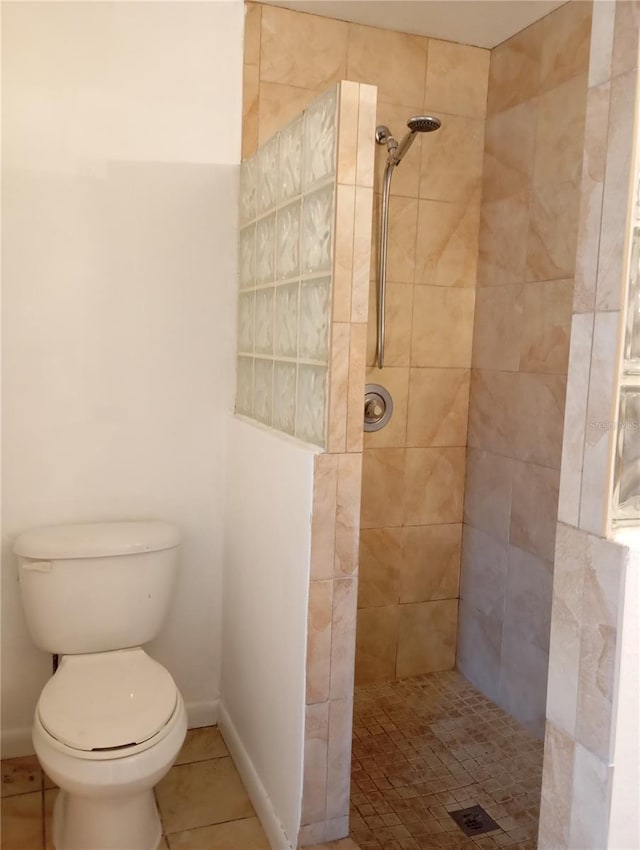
(287, 223)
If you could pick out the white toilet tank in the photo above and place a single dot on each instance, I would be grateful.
(97, 587)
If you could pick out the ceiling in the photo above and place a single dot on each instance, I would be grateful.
(483, 23)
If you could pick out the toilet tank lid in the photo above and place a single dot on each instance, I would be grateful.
(96, 539)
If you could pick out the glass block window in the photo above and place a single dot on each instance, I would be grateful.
(285, 262)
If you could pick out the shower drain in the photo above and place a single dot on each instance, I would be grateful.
(474, 820)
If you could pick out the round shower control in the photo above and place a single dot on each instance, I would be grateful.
(378, 407)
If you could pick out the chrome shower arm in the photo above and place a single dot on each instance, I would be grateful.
(382, 261)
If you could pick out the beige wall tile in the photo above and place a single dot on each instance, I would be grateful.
(483, 574)
(589, 801)
(381, 559)
(399, 314)
(339, 767)
(406, 178)
(319, 641)
(457, 78)
(442, 327)
(433, 486)
(451, 160)
(366, 134)
(400, 76)
(601, 410)
(479, 647)
(574, 417)
(376, 644)
(446, 252)
(280, 104)
(348, 132)
(401, 245)
(534, 507)
(514, 73)
(565, 43)
(487, 497)
(314, 788)
(492, 411)
(591, 193)
(357, 357)
(338, 386)
(438, 407)
(323, 520)
(557, 780)
(539, 418)
(602, 27)
(509, 148)
(348, 513)
(560, 132)
(427, 637)
(502, 250)
(343, 637)
(382, 487)
(566, 625)
(612, 254)
(250, 102)
(625, 38)
(343, 252)
(302, 50)
(361, 254)
(553, 231)
(546, 326)
(430, 567)
(527, 610)
(396, 381)
(497, 327)
(252, 33)
(603, 581)
(523, 679)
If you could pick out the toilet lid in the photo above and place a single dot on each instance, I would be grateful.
(106, 700)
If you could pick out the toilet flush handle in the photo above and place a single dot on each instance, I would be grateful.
(37, 566)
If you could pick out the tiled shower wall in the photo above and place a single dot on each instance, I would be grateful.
(286, 263)
(528, 231)
(413, 469)
(290, 58)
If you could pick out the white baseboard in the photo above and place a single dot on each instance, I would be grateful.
(202, 713)
(255, 789)
(16, 742)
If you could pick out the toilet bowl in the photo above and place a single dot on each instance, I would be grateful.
(107, 756)
(110, 722)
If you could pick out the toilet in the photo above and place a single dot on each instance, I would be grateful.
(110, 722)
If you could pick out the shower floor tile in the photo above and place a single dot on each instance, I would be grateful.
(425, 746)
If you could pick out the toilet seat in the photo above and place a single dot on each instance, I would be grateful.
(107, 704)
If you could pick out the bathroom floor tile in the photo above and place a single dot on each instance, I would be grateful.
(432, 744)
(200, 794)
(202, 744)
(49, 802)
(21, 776)
(22, 822)
(245, 834)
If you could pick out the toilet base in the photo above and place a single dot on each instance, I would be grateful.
(127, 822)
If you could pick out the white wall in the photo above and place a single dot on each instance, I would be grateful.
(121, 142)
(266, 586)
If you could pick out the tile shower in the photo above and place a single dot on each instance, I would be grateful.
(474, 242)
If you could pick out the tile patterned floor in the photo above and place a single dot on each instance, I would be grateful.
(422, 747)
(432, 744)
(202, 802)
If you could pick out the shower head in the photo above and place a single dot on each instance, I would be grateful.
(417, 124)
(423, 124)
